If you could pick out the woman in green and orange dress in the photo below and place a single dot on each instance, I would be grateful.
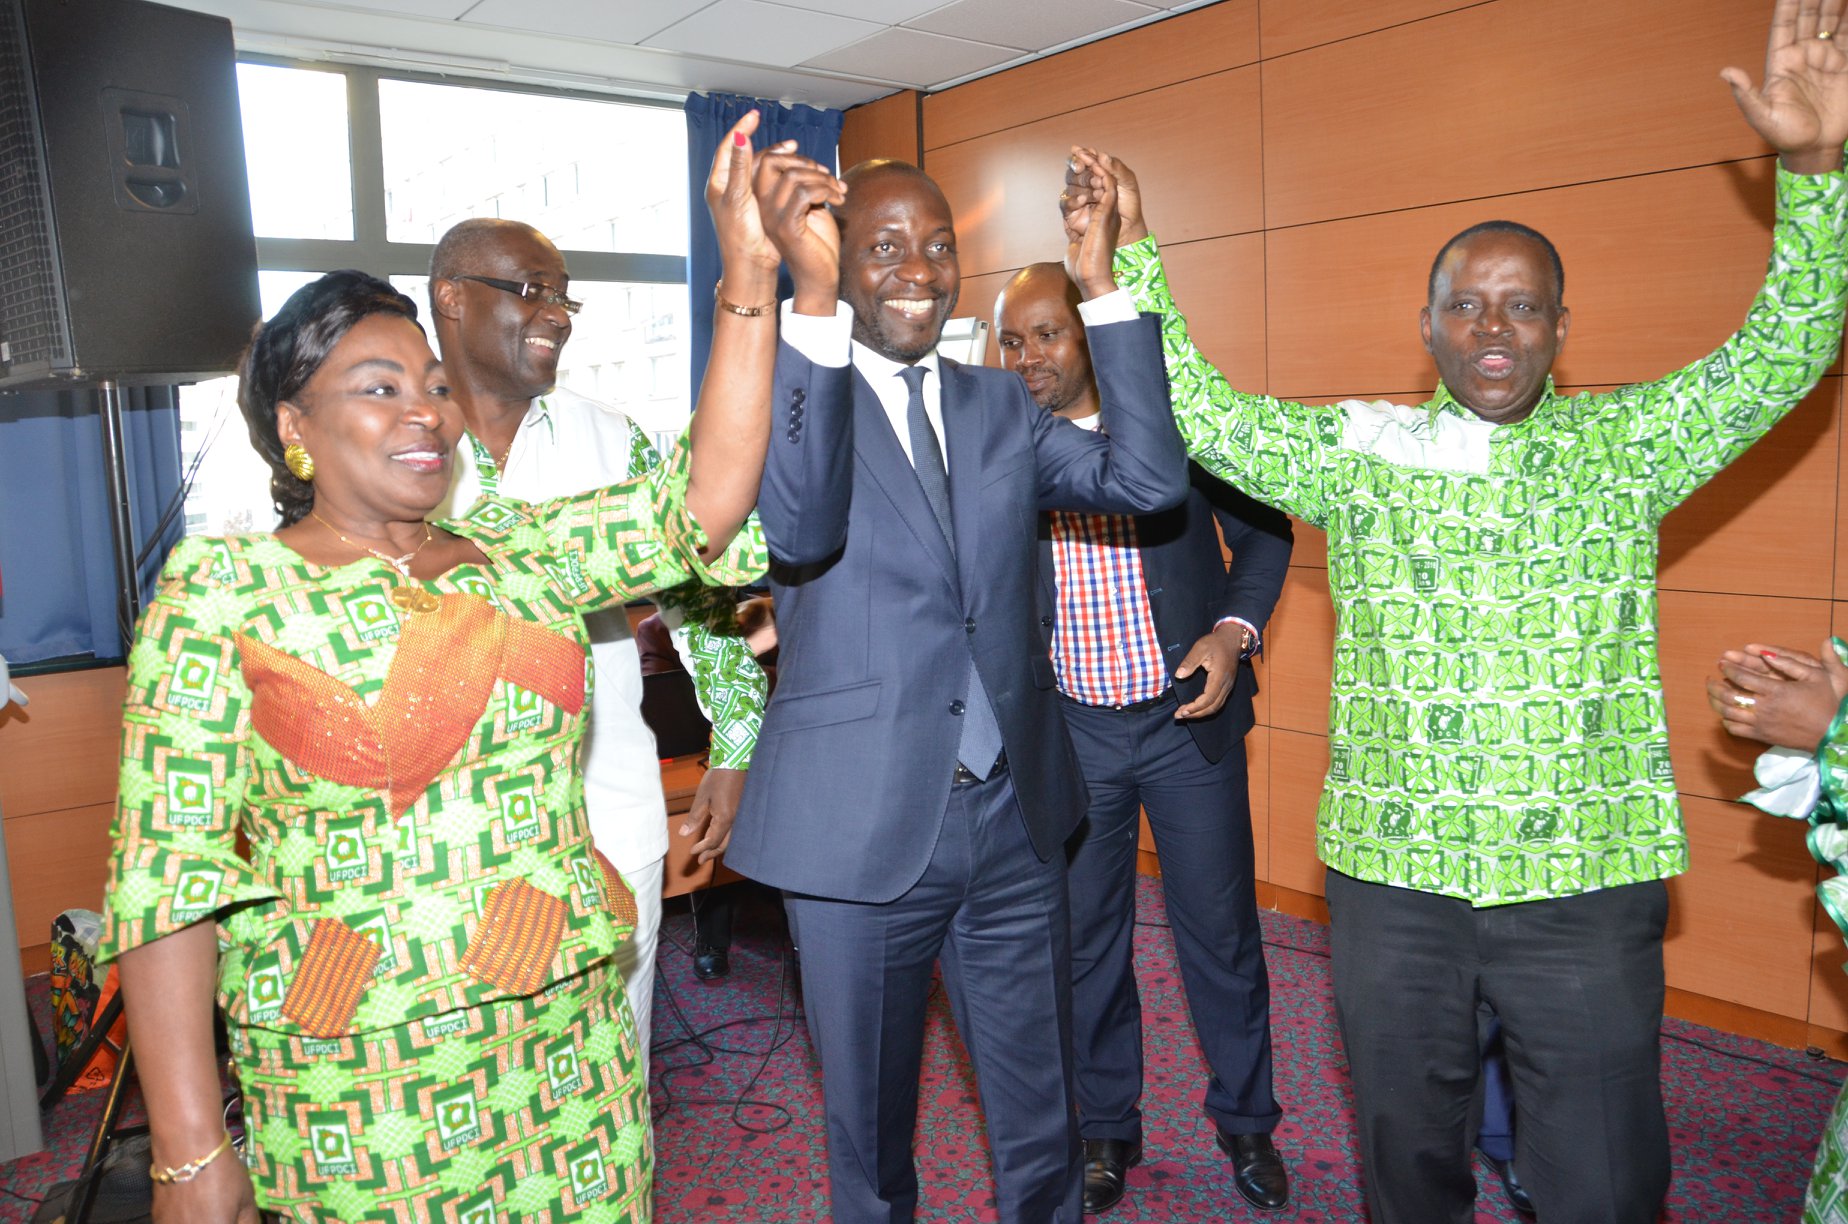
(350, 804)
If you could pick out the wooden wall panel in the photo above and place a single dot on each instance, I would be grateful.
(1285, 26)
(1659, 270)
(1345, 134)
(1257, 764)
(1311, 545)
(887, 127)
(1298, 765)
(1740, 919)
(1198, 43)
(1219, 283)
(1828, 995)
(1696, 627)
(977, 300)
(1194, 147)
(60, 752)
(1841, 523)
(1736, 533)
(1300, 652)
(57, 860)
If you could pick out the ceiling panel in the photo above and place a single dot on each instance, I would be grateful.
(1030, 25)
(886, 12)
(595, 19)
(758, 33)
(912, 57)
(446, 9)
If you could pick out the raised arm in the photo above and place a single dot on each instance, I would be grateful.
(1279, 452)
(731, 424)
(808, 476)
(1801, 109)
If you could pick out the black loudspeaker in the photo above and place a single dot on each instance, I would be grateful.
(126, 250)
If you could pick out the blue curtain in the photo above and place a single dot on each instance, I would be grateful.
(817, 134)
(57, 552)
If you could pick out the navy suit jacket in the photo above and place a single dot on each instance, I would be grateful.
(1190, 589)
(877, 618)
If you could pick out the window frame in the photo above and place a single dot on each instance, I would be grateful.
(369, 249)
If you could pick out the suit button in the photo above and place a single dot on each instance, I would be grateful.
(794, 434)
(798, 395)
(1046, 621)
(956, 707)
(969, 624)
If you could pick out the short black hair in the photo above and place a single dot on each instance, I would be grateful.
(285, 352)
(460, 251)
(879, 167)
(1502, 227)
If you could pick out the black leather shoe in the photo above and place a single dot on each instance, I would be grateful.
(1106, 1161)
(1257, 1170)
(710, 964)
(1518, 1198)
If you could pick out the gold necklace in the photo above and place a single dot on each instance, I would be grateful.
(406, 597)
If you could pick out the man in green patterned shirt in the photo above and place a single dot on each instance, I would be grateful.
(1499, 812)
(531, 440)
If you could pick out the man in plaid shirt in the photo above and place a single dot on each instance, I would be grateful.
(1151, 638)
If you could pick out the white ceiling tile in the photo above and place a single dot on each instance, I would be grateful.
(912, 57)
(445, 9)
(759, 33)
(595, 19)
(1030, 25)
(886, 12)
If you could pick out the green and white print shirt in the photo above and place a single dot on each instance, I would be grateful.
(1496, 724)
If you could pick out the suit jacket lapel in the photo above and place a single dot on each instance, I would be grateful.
(965, 446)
(877, 447)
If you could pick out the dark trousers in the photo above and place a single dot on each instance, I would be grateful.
(1200, 812)
(1577, 983)
(996, 915)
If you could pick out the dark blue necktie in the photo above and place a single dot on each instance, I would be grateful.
(980, 746)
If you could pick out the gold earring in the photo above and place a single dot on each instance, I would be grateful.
(299, 462)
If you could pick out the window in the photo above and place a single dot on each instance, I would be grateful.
(435, 153)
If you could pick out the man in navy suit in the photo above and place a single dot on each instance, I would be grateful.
(914, 785)
(1151, 637)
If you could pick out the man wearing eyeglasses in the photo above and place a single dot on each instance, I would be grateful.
(501, 316)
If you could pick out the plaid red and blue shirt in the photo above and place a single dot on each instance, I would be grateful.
(1104, 648)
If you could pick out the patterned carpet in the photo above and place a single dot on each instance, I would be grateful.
(738, 1109)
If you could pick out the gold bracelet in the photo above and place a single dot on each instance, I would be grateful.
(749, 312)
(191, 1169)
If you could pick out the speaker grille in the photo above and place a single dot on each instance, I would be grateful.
(30, 322)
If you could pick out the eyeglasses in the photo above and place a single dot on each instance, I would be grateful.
(529, 291)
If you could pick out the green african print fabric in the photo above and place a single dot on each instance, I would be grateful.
(731, 687)
(528, 1110)
(1827, 1199)
(419, 864)
(1496, 724)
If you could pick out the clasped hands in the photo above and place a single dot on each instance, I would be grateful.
(1777, 695)
(771, 208)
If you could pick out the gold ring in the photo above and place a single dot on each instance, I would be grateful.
(1744, 702)
(1825, 35)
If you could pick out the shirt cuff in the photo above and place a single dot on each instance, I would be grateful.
(1257, 639)
(1114, 307)
(823, 339)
